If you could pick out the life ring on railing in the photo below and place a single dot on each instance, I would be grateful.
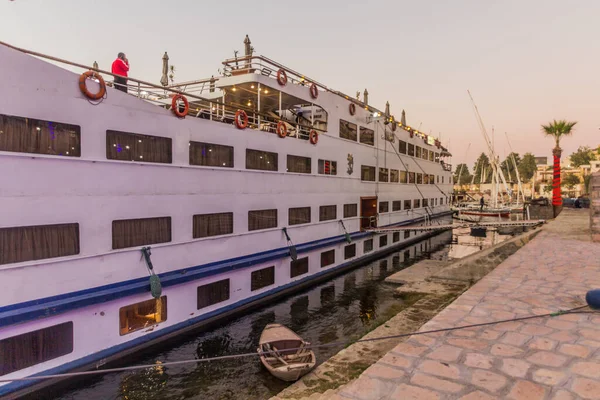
(241, 119)
(281, 129)
(313, 137)
(352, 108)
(314, 91)
(175, 106)
(82, 86)
(281, 77)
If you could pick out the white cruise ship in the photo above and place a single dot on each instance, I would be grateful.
(128, 218)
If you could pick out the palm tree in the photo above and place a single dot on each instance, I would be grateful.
(557, 129)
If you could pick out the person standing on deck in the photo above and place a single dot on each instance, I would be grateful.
(481, 203)
(120, 67)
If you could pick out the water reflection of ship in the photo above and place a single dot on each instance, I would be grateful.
(144, 384)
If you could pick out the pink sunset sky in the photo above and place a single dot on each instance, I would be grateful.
(525, 62)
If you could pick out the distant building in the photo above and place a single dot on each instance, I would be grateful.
(541, 161)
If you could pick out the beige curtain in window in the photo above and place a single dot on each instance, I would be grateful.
(139, 232)
(127, 146)
(28, 243)
(213, 224)
(26, 135)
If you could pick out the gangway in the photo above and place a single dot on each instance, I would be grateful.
(523, 223)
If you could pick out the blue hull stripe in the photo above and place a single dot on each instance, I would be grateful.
(90, 360)
(49, 306)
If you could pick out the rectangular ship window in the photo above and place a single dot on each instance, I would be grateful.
(348, 130)
(411, 150)
(141, 315)
(212, 293)
(403, 177)
(396, 205)
(261, 160)
(368, 246)
(350, 251)
(402, 146)
(367, 173)
(211, 155)
(426, 179)
(411, 177)
(299, 215)
(425, 202)
(27, 243)
(384, 206)
(31, 348)
(327, 167)
(206, 225)
(417, 203)
(418, 152)
(441, 201)
(407, 204)
(262, 219)
(350, 210)
(367, 136)
(394, 177)
(141, 231)
(127, 146)
(28, 135)
(327, 258)
(419, 178)
(425, 154)
(396, 237)
(432, 179)
(327, 213)
(262, 278)
(384, 175)
(383, 241)
(301, 165)
(406, 234)
(299, 267)
(430, 155)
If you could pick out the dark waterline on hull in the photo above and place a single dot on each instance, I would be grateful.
(343, 308)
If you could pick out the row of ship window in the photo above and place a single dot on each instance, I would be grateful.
(31, 348)
(26, 135)
(351, 131)
(27, 243)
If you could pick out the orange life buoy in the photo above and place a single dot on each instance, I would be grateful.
(314, 91)
(281, 77)
(352, 109)
(281, 129)
(82, 86)
(313, 136)
(241, 119)
(175, 106)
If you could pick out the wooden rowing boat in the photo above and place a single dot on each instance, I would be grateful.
(284, 353)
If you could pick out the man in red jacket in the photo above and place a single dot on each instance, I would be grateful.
(120, 67)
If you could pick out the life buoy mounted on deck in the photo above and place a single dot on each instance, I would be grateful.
(314, 91)
(282, 77)
(92, 75)
(241, 119)
(175, 106)
(313, 136)
(281, 129)
(352, 108)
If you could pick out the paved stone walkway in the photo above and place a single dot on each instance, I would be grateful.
(551, 358)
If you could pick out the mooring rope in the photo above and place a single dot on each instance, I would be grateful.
(318, 346)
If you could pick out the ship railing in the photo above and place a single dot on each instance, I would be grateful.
(199, 106)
